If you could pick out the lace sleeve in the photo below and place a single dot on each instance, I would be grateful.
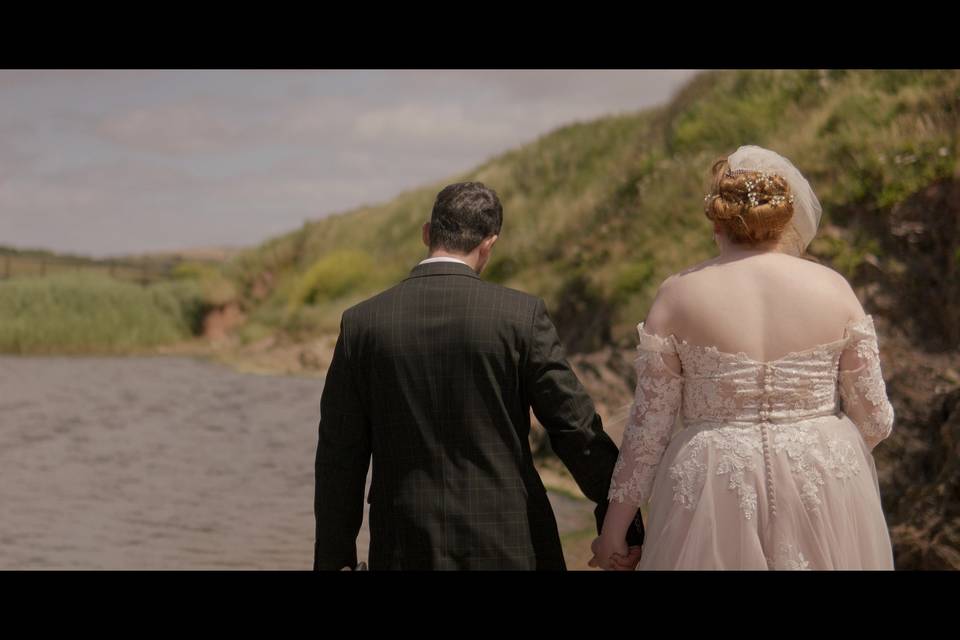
(654, 409)
(862, 390)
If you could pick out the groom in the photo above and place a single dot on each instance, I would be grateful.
(435, 378)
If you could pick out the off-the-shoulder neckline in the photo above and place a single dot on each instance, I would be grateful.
(842, 342)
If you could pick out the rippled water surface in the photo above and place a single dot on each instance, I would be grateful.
(162, 463)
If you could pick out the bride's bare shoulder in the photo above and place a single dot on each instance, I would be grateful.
(681, 283)
(667, 304)
(819, 273)
(705, 279)
(696, 269)
(835, 285)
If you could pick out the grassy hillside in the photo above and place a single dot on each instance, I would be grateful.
(88, 312)
(597, 214)
(55, 303)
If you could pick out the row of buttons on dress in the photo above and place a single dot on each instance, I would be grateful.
(765, 439)
(765, 406)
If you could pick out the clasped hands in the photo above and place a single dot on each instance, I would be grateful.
(614, 555)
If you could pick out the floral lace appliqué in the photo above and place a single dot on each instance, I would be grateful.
(843, 459)
(738, 449)
(789, 559)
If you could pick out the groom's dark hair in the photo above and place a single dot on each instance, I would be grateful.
(463, 215)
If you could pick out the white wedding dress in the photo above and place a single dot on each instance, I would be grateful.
(773, 466)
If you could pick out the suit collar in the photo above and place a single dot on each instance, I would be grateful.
(442, 269)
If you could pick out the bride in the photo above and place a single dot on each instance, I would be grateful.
(774, 367)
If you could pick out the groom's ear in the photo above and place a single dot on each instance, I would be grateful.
(425, 233)
(484, 248)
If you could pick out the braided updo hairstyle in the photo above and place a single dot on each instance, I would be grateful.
(749, 206)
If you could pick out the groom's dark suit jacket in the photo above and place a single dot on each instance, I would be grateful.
(435, 379)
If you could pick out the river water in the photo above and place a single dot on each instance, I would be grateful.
(166, 463)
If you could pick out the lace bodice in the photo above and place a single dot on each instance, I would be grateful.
(718, 389)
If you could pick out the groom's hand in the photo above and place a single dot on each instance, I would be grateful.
(624, 559)
(628, 562)
(607, 553)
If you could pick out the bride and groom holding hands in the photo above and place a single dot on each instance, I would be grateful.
(768, 358)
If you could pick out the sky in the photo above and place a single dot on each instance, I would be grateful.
(114, 162)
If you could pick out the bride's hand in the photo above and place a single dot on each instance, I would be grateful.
(608, 554)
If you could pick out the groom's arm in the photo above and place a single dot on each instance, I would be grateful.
(343, 457)
(567, 413)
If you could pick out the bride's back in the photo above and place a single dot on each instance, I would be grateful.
(764, 304)
(772, 466)
(753, 298)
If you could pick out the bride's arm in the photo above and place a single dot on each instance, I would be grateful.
(655, 406)
(862, 389)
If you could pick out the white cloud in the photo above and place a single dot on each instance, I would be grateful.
(113, 161)
(418, 123)
(179, 128)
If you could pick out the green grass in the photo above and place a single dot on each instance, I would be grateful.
(597, 214)
(215, 288)
(333, 276)
(85, 313)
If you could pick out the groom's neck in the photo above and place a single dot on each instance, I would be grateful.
(471, 259)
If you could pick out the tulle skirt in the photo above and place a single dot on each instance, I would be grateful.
(767, 496)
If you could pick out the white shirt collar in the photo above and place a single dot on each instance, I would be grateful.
(442, 259)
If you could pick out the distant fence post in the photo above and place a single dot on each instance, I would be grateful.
(6, 267)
